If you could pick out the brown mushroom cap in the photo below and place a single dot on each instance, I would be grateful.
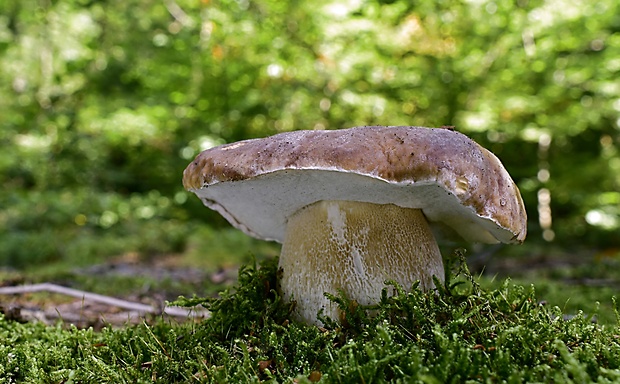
(258, 184)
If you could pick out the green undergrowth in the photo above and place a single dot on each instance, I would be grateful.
(458, 333)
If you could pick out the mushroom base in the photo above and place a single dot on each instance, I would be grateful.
(354, 247)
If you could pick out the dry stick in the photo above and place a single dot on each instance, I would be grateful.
(142, 308)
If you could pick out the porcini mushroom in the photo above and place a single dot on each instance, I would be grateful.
(352, 207)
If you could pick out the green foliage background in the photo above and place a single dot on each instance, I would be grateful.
(103, 103)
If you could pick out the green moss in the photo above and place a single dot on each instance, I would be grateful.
(458, 333)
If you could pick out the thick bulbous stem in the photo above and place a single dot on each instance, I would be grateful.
(354, 247)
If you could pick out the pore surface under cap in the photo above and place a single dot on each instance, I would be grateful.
(257, 184)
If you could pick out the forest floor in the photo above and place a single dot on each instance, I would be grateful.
(152, 283)
(582, 280)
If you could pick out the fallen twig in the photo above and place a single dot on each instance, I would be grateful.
(112, 301)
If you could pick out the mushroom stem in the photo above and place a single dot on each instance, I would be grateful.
(354, 247)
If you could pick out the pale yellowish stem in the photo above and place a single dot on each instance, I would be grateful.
(354, 247)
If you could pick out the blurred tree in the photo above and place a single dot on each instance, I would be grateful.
(108, 100)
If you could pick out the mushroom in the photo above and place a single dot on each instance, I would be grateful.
(352, 207)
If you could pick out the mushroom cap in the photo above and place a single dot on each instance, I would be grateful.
(258, 184)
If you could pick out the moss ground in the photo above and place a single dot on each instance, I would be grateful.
(459, 333)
